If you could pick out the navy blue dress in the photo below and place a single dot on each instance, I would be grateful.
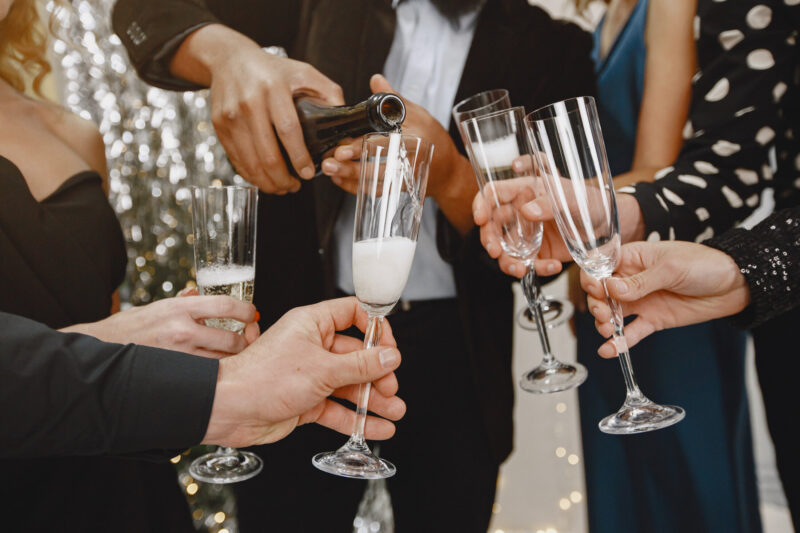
(698, 475)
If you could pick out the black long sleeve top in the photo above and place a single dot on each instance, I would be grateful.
(70, 394)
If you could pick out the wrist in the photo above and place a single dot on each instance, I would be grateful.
(455, 179)
(207, 50)
(737, 282)
(219, 422)
(631, 221)
(93, 329)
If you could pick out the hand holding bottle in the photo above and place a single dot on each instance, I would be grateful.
(252, 103)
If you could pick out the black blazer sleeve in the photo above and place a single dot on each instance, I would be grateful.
(70, 394)
(769, 257)
(152, 30)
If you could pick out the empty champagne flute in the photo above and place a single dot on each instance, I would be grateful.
(494, 142)
(555, 311)
(224, 222)
(391, 191)
(568, 146)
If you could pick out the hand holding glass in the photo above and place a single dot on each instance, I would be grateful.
(391, 191)
(569, 151)
(494, 142)
(555, 311)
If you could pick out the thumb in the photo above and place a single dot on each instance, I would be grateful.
(379, 84)
(637, 286)
(363, 366)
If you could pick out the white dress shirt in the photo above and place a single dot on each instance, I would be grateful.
(424, 65)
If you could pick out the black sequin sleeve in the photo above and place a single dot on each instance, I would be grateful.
(769, 257)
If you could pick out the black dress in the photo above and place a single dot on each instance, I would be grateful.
(60, 261)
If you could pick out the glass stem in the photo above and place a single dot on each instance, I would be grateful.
(634, 396)
(371, 338)
(533, 294)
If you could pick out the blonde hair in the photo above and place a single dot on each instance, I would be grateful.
(23, 47)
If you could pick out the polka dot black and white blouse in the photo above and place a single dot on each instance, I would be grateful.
(743, 130)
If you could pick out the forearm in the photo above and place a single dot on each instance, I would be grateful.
(455, 198)
(101, 330)
(631, 221)
(634, 176)
(73, 395)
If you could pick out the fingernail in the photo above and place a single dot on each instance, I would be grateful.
(551, 269)
(475, 215)
(307, 173)
(619, 286)
(491, 248)
(517, 165)
(330, 166)
(594, 310)
(605, 351)
(346, 153)
(533, 209)
(258, 316)
(513, 270)
(389, 357)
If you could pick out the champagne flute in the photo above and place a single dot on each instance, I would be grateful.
(555, 311)
(494, 142)
(224, 222)
(570, 153)
(391, 192)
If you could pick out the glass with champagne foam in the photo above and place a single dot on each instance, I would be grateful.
(393, 175)
(229, 280)
(224, 222)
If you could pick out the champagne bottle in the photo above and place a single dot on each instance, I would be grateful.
(324, 126)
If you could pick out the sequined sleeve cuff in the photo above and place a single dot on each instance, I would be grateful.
(769, 257)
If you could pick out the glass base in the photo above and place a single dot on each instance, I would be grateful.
(226, 465)
(546, 379)
(639, 418)
(354, 462)
(556, 312)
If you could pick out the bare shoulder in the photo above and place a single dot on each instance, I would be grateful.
(80, 134)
